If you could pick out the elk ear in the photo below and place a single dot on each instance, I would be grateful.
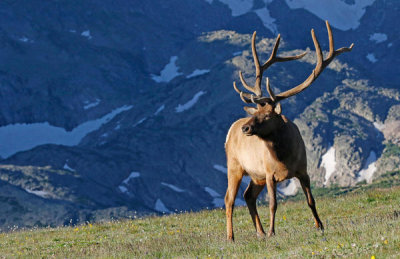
(278, 109)
(250, 110)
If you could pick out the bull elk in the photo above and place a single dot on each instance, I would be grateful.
(268, 146)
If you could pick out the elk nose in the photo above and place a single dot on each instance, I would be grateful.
(246, 129)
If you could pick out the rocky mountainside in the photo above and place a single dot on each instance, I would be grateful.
(121, 108)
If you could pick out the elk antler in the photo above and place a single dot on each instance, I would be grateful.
(256, 89)
(319, 67)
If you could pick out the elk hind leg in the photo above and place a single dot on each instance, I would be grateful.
(250, 195)
(273, 205)
(235, 174)
(305, 184)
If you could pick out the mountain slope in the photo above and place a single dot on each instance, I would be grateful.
(117, 109)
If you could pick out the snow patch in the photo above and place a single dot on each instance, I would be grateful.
(190, 103)
(237, 53)
(198, 72)
(288, 190)
(139, 122)
(390, 45)
(173, 187)
(238, 7)
(42, 194)
(160, 109)
(266, 19)
(329, 163)
(159, 206)
(123, 189)
(169, 72)
(218, 202)
(368, 170)
(378, 37)
(21, 136)
(340, 15)
(91, 105)
(221, 168)
(246, 179)
(379, 126)
(212, 192)
(24, 39)
(66, 167)
(130, 177)
(86, 34)
(371, 57)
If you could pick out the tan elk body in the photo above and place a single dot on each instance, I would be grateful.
(267, 146)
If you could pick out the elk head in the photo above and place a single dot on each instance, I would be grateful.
(266, 118)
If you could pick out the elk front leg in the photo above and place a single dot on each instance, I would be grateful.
(305, 184)
(250, 195)
(235, 174)
(271, 187)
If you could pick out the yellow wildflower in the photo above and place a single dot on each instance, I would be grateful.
(284, 217)
(76, 229)
(386, 242)
(373, 257)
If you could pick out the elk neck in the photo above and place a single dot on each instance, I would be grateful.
(278, 140)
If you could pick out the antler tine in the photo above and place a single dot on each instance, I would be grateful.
(331, 44)
(318, 51)
(319, 67)
(259, 71)
(255, 56)
(250, 88)
(250, 98)
(332, 51)
(273, 58)
(256, 89)
(244, 96)
(270, 92)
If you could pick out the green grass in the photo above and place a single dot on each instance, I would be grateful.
(391, 150)
(359, 223)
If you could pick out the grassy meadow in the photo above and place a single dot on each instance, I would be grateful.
(360, 222)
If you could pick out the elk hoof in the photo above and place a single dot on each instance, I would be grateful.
(230, 238)
(260, 235)
(271, 233)
(320, 226)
